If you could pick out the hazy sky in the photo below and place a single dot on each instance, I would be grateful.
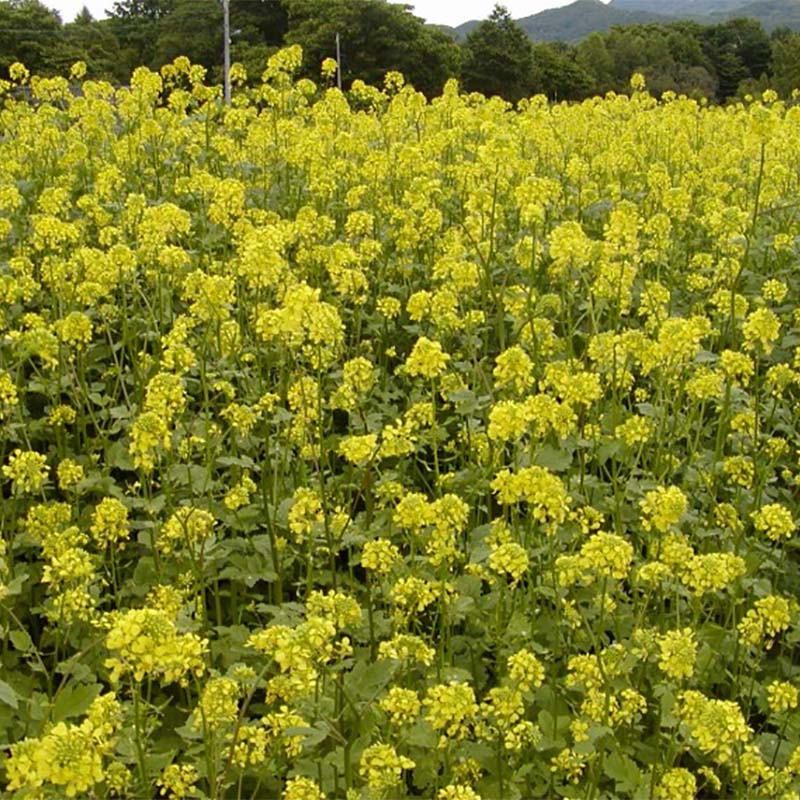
(442, 12)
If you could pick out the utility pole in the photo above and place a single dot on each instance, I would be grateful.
(338, 64)
(226, 50)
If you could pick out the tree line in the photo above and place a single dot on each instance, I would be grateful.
(717, 61)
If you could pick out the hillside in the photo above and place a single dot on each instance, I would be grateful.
(770, 13)
(576, 21)
(678, 8)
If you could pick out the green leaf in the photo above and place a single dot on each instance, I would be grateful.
(117, 457)
(365, 682)
(553, 458)
(74, 700)
(21, 641)
(623, 770)
(8, 694)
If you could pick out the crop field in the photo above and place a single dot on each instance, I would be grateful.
(354, 445)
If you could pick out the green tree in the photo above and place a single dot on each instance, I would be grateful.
(376, 37)
(260, 21)
(592, 55)
(136, 23)
(498, 58)
(259, 29)
(30, 33)
(141, 9)
(557, 74)
(738, 49)
(786, 63)
(86, 39)
(204, 46)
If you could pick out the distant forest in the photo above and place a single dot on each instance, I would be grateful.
(717, 61)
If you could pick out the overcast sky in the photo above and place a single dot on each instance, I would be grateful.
(441, 12)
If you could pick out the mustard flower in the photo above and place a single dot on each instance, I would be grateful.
(568, 763)
(717, 726)
(514, 369)
(457, 791)
(451, 710)
(177, 781)
(146, 642)
(70, 757)
(676, 784)
(606, 555)
(281, 727)
(149, 434)
(27, 471)
(761, 330)
(426, 360)
(509, 559)
(763, 623)
(9, 397)
(402, 705)
(110, 526)
(678, 652)
(359, 449)
(382, 767)
(662, 508)
(407, 647)
(782, 696)
(69, 473)
(525, 670)
(218, 705)
(188, 527)
(301, 788)
(775, 521)
(379, 555)
(240, 494)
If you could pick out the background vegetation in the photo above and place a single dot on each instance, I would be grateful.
(496, 56)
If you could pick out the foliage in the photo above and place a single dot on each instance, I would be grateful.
(29, 32)
(498, 58)
(719, 61)
(557, 73)
(362, 445)
(376, 37)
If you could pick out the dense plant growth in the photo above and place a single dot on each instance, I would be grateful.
(377, 447)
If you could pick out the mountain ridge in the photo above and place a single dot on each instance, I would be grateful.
(574, 22)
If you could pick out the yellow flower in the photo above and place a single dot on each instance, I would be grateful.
(69, 473)
(218, 705)
(303, 788)
(678, 653)
(663, 508)
(514, 369)
(761, 329)
(359, 449)
(426, 360)
(525, 670)
(27, 471)
(676, 784)
(110, 522)
(451, 710)
(782, 696)
(188, 527)
(402, 705)
(770, 616)
(382, 767)
(775, 521)
(329, 67)
(146, 642)
(379, 556)
(177, 781)
(509, 559)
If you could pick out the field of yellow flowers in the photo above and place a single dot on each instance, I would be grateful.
(360, 446)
